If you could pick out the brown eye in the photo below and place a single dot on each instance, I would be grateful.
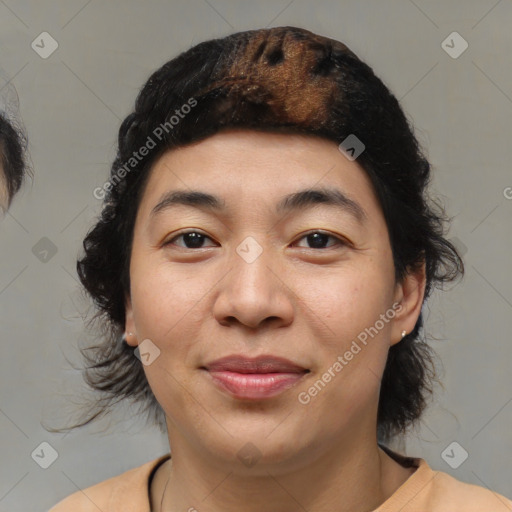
(318, 239)
(191, 239)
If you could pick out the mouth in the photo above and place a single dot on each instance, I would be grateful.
(254, 378)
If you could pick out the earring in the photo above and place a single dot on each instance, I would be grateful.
(404, 333)
(123, 337)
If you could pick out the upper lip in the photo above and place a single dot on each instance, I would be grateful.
(260, 364)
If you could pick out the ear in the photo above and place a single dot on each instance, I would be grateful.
(409, 294)
(130, 331)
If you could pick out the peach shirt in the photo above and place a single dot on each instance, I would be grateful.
(425, 490)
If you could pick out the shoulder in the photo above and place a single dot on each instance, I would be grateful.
(125, 492)
(437, 491)
(448, 493)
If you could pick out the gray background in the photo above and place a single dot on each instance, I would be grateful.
(72, 103)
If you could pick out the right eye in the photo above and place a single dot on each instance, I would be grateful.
(192, 239)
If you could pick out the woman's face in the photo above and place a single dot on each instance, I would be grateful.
(309, 281)
(4, 200)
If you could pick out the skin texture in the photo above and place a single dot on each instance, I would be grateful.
(295, 300)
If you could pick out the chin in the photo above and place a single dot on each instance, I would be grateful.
(257, 446)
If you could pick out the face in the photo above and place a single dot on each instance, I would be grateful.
(3, 192)
(4, 196)
(250, 275)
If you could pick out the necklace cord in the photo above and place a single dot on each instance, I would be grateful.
(165, 488)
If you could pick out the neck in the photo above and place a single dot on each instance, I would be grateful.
(354, 476)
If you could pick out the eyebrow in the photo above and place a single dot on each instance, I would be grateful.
(295, 201)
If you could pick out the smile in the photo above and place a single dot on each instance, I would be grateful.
(254, 378)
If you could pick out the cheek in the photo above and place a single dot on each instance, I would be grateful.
(167, 311)
(165, 303)
(346, 301)
(348, 305)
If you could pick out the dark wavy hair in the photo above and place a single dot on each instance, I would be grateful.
(13, 144)
(283, 79)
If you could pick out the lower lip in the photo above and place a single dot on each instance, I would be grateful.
(254, 386)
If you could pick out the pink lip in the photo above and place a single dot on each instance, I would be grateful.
(254, 378)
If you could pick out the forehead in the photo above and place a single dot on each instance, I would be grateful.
(243, 166)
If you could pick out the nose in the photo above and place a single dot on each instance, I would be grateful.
(254, 292)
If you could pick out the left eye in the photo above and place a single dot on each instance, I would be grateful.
(318, 239)
(195, 239)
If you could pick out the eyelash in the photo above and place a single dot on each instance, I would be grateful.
(305, 235)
